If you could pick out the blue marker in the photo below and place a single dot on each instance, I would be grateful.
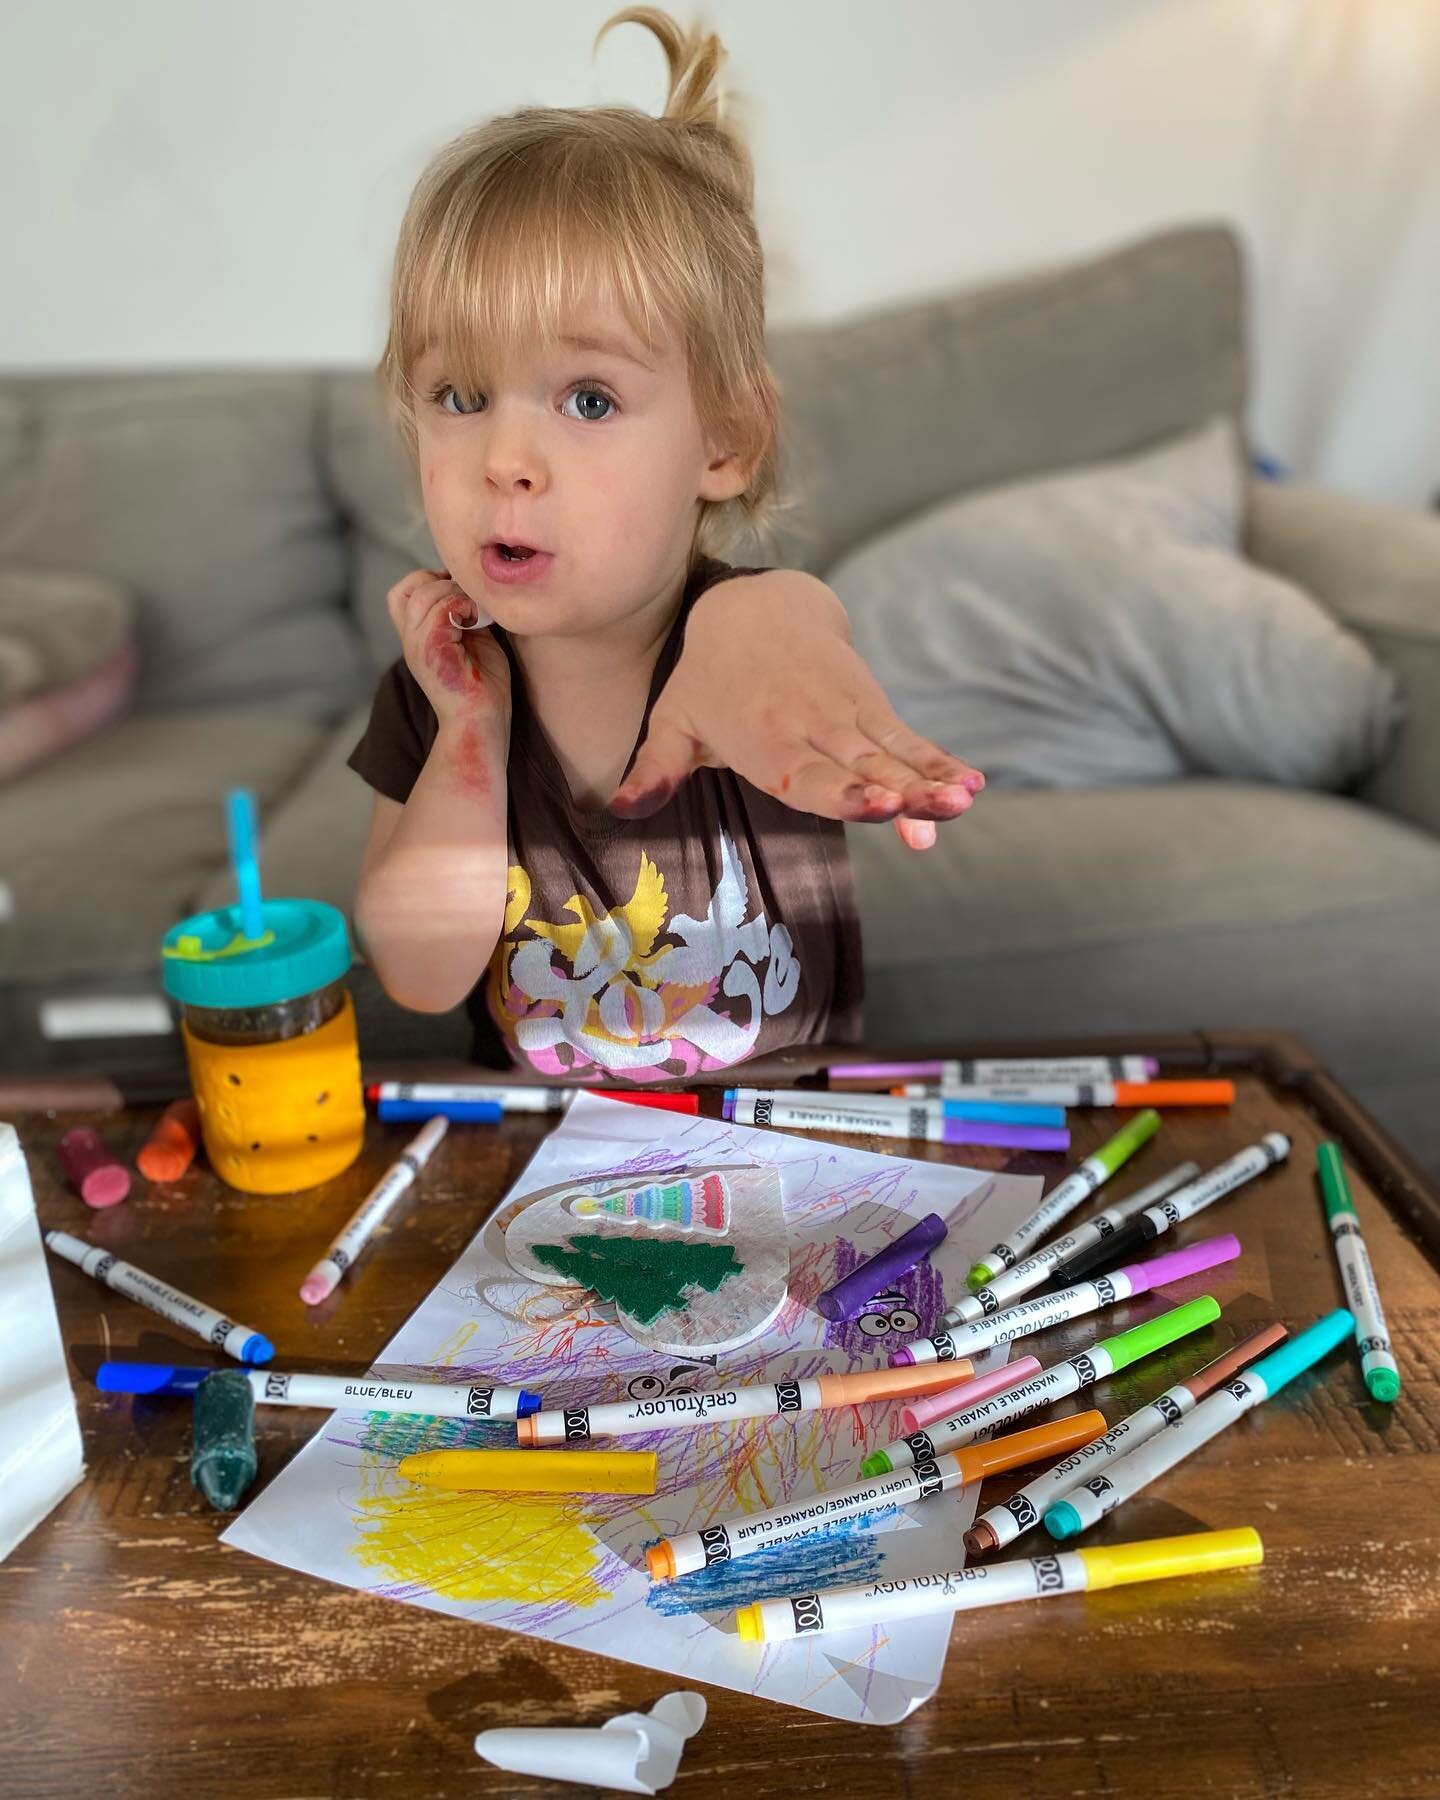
(336, 1393)
(472, 1112)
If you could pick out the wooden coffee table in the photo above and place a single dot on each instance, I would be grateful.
(140, 1657)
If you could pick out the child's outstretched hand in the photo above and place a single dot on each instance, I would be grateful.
(460, 667)
(768, 685)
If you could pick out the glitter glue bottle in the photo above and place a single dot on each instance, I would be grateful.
(269, 1031)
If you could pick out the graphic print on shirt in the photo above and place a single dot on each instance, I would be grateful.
(606, 992)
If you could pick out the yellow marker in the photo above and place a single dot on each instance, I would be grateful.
(533, 1471)
(993, 1584)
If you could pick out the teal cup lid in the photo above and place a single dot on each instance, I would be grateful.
(208, 961)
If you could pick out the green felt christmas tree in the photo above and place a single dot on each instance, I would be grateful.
(643, 1276)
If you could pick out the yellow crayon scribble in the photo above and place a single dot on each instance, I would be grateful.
(449, 1351)
(522, 1547)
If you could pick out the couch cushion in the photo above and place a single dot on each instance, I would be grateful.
(889, 412)
(56, 627)
(1100, 626)
(120, 833)
(1197, 904)
(202, 493)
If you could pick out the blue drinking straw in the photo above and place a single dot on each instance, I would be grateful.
(240, 826)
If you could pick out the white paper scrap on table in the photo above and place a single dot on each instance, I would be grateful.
(571, 1568)
(635, 1752)
(105, 1016)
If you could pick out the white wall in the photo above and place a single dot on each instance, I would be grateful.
(186, 182)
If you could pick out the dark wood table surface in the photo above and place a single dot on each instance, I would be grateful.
(139, 1657)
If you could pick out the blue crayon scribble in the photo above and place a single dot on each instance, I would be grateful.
(395, 1435)
(829, 1558)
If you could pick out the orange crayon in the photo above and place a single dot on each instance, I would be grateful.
(170, 1149)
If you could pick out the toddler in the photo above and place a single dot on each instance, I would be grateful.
(609, 768)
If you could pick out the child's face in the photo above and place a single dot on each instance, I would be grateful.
(592, 455)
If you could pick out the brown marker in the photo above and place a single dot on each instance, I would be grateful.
(1001, 1525)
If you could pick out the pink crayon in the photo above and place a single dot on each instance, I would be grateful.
(918, 1413)
(93, 1171)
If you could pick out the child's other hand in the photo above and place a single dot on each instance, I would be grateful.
(768, 685)
(460, 670)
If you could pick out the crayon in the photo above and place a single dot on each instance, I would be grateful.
(222, 1452)
(817, 1512)
(1372, 1337)
(834, 1112)
(345, 1393)
(532, 1471)
(1103, 1493)
(1005, 1289)
(460, 1112)
(179, 1308)
(924, 1409)
(848, 1297)
(1031, 1317)
(1146, 1226)
(1063, 1200)
(325, 1277)
(1095, 1093)
(1004, 1068)
(1054, 1383)
(510, 1097)
(994, 1584)
(574, 1425)
(170, 1148)
(1002, 1524)
(93, 1171)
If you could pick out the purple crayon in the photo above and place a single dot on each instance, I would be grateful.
(847, 1297)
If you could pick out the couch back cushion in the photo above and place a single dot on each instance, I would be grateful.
(202, 493)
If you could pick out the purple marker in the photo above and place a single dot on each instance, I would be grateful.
(881, 1115)
(847, 1297)
(1016, 1070)
(1032, 1316)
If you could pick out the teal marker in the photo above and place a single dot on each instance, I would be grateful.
(1125, 1478)
(1062, 1201)
(1372, 1339)
(1054, 1383)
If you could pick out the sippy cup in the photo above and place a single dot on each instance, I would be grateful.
(269, 1031)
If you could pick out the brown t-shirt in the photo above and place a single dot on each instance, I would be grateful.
(722, 927)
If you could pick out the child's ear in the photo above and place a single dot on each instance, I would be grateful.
(726, 476)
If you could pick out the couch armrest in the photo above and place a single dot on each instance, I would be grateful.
(1377, 568)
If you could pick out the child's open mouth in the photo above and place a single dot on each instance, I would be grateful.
(510, 563)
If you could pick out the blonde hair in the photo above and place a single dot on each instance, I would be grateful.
(520, 218)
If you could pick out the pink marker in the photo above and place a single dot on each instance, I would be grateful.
(916, 1414)
(1032, 1316)
(94, 1173)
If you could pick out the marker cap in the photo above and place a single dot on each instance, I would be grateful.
(1130, 1346)
(876, 1463)
(1201, 1553)
(257, 1349)
(1062, 1521)
(1177, 1264)
(527, 1403)
(981, 1275)
(1127, 1141)
(1302, 1352)
(1334, 1188)
(1384, 1384)
(885, 1384)
(660, 1561)
(148, 1378)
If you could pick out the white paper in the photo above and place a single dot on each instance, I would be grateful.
(570, 1568)
(637, 1753)
(106, 1016)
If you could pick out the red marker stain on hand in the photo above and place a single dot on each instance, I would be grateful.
(469, 762)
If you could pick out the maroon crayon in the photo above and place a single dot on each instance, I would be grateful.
(94, 1173)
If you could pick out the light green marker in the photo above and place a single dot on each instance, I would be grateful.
(1092, 1173)
(1372, 1339)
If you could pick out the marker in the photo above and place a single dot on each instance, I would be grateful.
(817, 1512)
(1054, 1383)
(1062, 1201)
(1004, 1068)
(1002, 1524)
(1377, 1362)
(763, 1401)
(190, 1315)
(510, 1097)
(848, 1297)
(1034, 1316)
(925, 1408)
(460, 1112)
(1146, 1226)
(995, 1584)
(1103, 1493)
(94, 1173)
(1095, 1093)
(834, 1112)
(661, 1100)
(1007, 1288)
(531, 1471)
(349, 1393)
(324, 1278)
(222, 1439)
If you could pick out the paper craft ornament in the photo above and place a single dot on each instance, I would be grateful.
(638, 1245)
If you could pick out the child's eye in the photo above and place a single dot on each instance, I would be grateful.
(586, 394)
(458, 411)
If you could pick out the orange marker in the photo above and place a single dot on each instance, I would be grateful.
(170, 1148)
(1085, 1093)
(816, 1512)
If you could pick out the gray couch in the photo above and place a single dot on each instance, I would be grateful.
(260, 517)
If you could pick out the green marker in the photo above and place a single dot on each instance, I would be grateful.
(1372, 1339)
(222, 1459)
(1092, 1173)
(1054, 1383)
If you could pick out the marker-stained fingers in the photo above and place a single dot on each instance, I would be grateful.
(879, 723)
